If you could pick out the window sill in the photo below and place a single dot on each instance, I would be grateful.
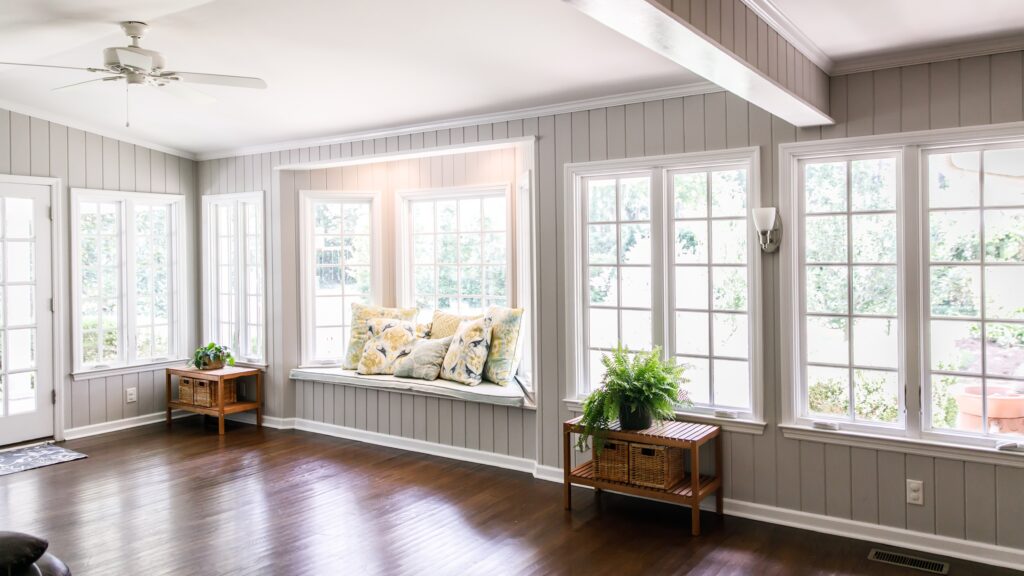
(982, 454)
(486, 393)
(92, 373)
(739, 425)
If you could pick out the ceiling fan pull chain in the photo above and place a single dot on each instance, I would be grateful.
(127, 120)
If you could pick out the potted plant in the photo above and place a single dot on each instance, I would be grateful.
(635, 390)
(212, 357)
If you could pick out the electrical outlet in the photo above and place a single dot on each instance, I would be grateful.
(131, 395)
(915, 492)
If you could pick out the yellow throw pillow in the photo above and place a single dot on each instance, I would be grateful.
(506, 344)
(446, 324)
(464, 362)
(361, 314)
(388, 341)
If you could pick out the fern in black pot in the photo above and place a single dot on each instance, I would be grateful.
(636, 389)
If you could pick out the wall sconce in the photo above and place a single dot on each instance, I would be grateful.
(769, 228)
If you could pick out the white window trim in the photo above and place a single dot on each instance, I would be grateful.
(403, 234)
(179, 266)
(913, 439)
(573, 228)
(209, 283)
(307, 299)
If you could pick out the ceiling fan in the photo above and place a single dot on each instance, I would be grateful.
(141, 67)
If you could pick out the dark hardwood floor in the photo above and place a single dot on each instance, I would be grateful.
(154, 501)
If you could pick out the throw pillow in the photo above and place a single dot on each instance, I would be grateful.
(361, 313)
(18, 551)
(446, 324)
(506, 344)
(388, 341)
(464, 361)
(424, 362)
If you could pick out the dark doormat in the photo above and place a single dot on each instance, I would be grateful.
(29, 457)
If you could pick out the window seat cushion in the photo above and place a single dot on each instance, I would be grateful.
(485, 392)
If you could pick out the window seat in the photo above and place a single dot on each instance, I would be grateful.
(484, 393)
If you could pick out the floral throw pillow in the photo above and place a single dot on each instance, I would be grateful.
(506, 347)
(388, 341)
(361, 314)
(424, 360)
(464, 362)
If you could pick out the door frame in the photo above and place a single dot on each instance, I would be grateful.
(60, 296)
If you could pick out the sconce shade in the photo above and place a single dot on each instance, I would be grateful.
(765, 219)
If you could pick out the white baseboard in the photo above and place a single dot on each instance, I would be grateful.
(422, 446)
(268, 421)
(123, 424)
(885, 535)
(549, 473)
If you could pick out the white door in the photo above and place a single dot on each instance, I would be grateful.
(26, 321)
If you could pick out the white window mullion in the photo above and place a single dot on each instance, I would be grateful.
(128, 335)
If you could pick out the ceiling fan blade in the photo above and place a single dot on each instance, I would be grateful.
(219, 79)
(52, 66)
(106, 79)
(130, 59)
(188, 93)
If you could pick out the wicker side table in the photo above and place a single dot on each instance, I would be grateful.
(217, 377)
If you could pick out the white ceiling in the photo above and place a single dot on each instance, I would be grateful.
(332, 66)
(848, 29)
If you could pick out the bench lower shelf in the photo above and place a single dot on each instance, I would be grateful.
(214, 410)
(681, 493)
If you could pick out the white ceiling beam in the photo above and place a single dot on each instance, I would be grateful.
(652, 25)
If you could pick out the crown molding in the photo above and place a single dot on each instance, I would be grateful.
(692, 89)
(929, 54)
(774, 17)
(86, 127)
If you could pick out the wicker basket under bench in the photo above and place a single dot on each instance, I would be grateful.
(649, 463)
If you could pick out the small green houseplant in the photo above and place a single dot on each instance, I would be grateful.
(212, 357)
(635, 390)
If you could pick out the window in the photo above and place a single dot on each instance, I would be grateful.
(664, 256)
(458, 247)
(339, 266)
(234, 273)
(850, 289)
(127, 269)
(901, 294)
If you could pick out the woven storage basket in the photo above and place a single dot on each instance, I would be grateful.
(206, 393)
(613, 462)
(655, 466)
(186, 390)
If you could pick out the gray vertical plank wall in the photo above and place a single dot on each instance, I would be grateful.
(34, 147)
(967, 500)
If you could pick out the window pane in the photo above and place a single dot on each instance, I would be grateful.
(729, 288)
(873, 185)
(21, 349)
(691, 195)
(18, 217)
(1004, 350)
(691, 287)
(1004, 292)
(875, 342)
(698, 375)
(422, 215)
(729, 193)
(828, 340)
(955, 345)
(692, 336)
(601, 200)
(446, 213)
(729, 241)
(874, 238)
(876, 395)
(357, 249)
(825, 239)
(956, 291)
(1004, 235)
(469, 249)
(825, 187)
(1003, 183)
(731, 383)
(20, 262)
(828, 391)
(1003, 402)
(604, 289)
(21, 393)
(423, 249)
(827, 291)
(21, 305)
(601, 244)
(691, 242)
(955, 236)
(604, 328)
(470, 214)
(636, 287)
(447, 248)
(636, 198)
(597, 370)
(636, 243)
(355, 217)
(956, 403)
(636, 329)
(731, 335)
(495, 210)
(329, 342)
(874, 290)
(953, 179)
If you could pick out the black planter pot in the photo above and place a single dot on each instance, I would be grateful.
(638, 420)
